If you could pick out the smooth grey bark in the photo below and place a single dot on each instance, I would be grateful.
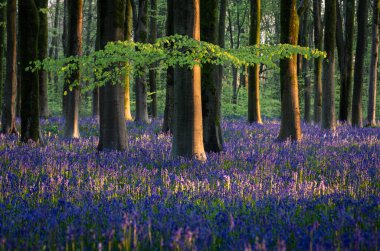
(89, 27)
(328, 86)
(3, 18)
(304, 40)
(371, 113)
(318, 42)
(361, 47)
(153, 72)
(211, 82)
(95, 92)
(187, 126)
(8, 119)
(74, 38)
(140, 81)
(113, 131)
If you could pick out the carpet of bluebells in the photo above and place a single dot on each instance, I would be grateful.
(322, 193)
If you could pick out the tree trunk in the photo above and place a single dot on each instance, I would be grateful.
(42, 5)
(318, 41)
(152, 72)
(345, 44)
(95, 92)
(89, 27)
(53, 51)
(328, 107)
(254, 114)
(361, 46)
(8, 121)
(167, 125)
(65, 52)
(222, 34)
(3, 16)
(290, 111)
(128, 36)
(28, 22)
(211, 84)
(74, 38)
(187, 126)
(371, 117)
(113, 131)
(141, 85)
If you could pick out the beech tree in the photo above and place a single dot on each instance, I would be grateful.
(42, 6)
(141, 86)
(254, 114)
(8, 119)
(371, 117)
(318, 41)
(328, 86)
(152, 72)
(113, 132)
(74, 38)
(361, 46)
(128, 26)
(28, 23)
(187, 125)
(290, 111)
(3, 18)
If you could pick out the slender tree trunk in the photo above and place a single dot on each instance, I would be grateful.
(152, 72)
(74, 37)
(113, 131)
(305, 69)
(188, 127)
(141, 85)
(3, 17)
(254, 114)
(95, 92)
(318, 41)
(328, 107)
(167, 126)
(89, 27)
(8, 121)
(345, 44)
(28, 22)
(128, 36)
(361, 46)
(65, 52)
(42, 5)
(53, 51)
(371, 118)
(290, 111)
(211, 84)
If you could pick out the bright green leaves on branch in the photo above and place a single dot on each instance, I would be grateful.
(120, 58)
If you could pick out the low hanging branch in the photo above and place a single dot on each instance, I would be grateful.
(109, 65)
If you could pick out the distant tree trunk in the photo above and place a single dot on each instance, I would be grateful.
(8, 121)
(290, 111)
(254, 114)
(113, 131)
(304, 40)
(95, 91)
(345, 43)
(141, 85)
(318, 41)
(42, 6)
(28, 22)
(361, 46)
(128, 36)
(187, 126)
(89, 27)
(74, 38)
(152, 72)
(53, 51)
(167, 126)
(65, 52)
(3, 17)
(211, 84)
(328, 107)
(371, 118)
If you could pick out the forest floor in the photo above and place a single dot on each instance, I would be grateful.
(322, 193)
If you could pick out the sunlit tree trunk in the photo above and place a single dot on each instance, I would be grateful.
(113, 131)
(152, 72)
(328, 90)
(187, 126)
(318, 41)
(167, 125)
(28, 23)
(74, 37)
(254, 114)
(42, 6)
(128, 36)
(211, 83)
(371, 118)
(361, 46)
(141, 85)
(8, 120)
(290, 111)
